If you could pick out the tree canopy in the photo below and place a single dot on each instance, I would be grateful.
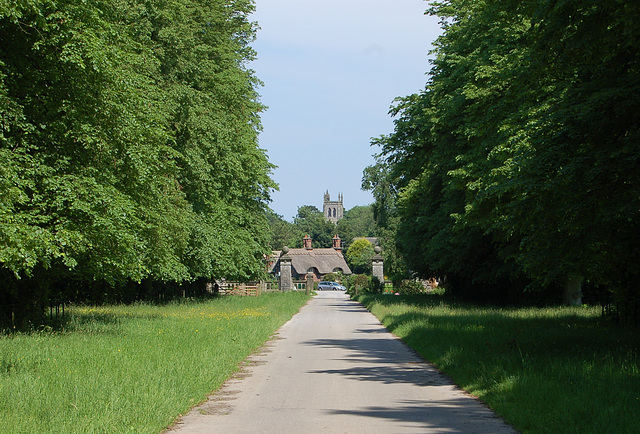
(128, 142)
(310, 221)
(357, 222)
(518, 163)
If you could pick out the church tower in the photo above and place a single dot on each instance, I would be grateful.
(333, 210)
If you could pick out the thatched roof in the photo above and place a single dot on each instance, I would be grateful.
(324, 260)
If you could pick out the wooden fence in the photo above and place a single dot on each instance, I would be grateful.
(256, 288)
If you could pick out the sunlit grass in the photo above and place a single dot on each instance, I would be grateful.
(131, 368)
(543, 369)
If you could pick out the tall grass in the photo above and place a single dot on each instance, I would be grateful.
(130, 368)
(545, 370)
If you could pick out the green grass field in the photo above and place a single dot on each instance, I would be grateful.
(545, 370)
(131, 368)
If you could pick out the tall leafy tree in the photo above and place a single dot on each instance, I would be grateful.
(283, 233)
(357, 222)
(128, 143)
(379, 179)
(203, 48)
(508, 155)
(87, 151)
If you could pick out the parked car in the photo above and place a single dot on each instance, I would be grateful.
(330, 286)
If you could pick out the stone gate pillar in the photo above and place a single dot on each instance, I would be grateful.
(286, 282)
(377, 264)
(310, 284)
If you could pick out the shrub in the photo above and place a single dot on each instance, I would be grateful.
(438, 290)
(361, 281)
(410, 287)
(357, 284)
(375, 285)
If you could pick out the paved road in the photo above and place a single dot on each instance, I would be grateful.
(335, 369)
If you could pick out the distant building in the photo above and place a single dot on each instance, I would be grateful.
(333, 210)
(310, 261)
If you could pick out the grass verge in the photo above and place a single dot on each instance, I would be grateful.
(131, 368)
(545, 370)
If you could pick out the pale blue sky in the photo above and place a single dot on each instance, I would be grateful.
(331, 70)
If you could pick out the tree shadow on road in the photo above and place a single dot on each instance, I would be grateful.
(459, 415)
(373, 357)
(380, 359)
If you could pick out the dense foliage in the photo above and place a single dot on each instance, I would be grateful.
(310, 221)
(359, 255)
(128, 146)
(379, 178)
(518, 164)
(357, 222)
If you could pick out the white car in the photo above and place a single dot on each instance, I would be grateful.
(330, 286)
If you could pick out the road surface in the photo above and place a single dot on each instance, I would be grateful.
(333, 368)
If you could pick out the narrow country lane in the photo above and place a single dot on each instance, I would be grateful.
(335, 369)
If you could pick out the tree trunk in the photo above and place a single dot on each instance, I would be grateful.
(572, 295)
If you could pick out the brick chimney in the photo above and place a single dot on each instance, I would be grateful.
(337, 244)
(306, 243)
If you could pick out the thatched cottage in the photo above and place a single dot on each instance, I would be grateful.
(310, 261)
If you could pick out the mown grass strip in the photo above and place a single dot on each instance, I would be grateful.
(545, 370)
(131, 368)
